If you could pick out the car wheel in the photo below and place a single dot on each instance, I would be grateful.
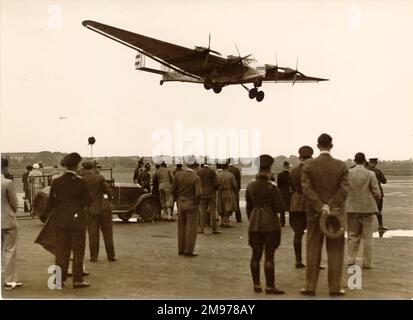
(148, 210)
(125, 216)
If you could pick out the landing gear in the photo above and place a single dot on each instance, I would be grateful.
(255, 94)
(217, 89)
(260, 96)
(252, 93)
(208, 84)
(161, 82)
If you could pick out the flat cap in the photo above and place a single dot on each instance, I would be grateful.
(374, 159)
(305, 152)
(264, 161)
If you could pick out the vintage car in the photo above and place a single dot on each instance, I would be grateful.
(127, 199)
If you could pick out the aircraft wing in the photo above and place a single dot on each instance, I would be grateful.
(281, 74)
(290, 78)
(184, 60)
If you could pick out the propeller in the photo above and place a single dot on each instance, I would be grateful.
(239, 55)
(207, 51)
(295, 73)
(276, 67)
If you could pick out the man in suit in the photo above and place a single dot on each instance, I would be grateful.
(207, 207)
(165, 179)
(227, 189)
(145, 178)
(361, 203)
(69, 197)
(237, 174)
(99, 218)
(325, 185)
(9, 206)
(372, 165)
(283, 184)
(187, 191)
(26, 189)
(298, 205)
(138, 170)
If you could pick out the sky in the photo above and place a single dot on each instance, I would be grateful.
(51, 66)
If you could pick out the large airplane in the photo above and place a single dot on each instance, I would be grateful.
(200, 65)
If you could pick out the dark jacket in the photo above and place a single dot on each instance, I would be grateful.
(283, 184)
(237, 174)
(263, 203)
(25, 180)
(298, 202)
(381, 179)
(145, 180)
(69, 197)
(325, 181)
(209, 182)
(187, 190)
(97, 187)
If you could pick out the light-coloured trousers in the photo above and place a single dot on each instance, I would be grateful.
(8, 255)
(359, 227)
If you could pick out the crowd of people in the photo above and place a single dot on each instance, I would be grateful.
(322, 196)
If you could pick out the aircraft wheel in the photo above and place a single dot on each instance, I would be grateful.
(217, 89)
(161, 82)
(207, 86)
(258, 83)
(260, 96)
(252, 93)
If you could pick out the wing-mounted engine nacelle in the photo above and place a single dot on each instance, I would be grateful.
(139, 61)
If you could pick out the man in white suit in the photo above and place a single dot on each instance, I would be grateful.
(360, 206)
(8, 230)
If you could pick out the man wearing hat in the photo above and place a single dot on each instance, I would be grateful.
(237, 174)
(226, 198)
(207, 208)
(187, 191)
(26, 189)
(138, 170)
(36, 180)
(145, 178)
(165, 179)
(99, 215)
(372, 165)
(264, 232)
(360, 205)
(324, 183)
(69, 197)
(283, 184)
(298, 206)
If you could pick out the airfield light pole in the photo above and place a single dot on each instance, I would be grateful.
(91, 142)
